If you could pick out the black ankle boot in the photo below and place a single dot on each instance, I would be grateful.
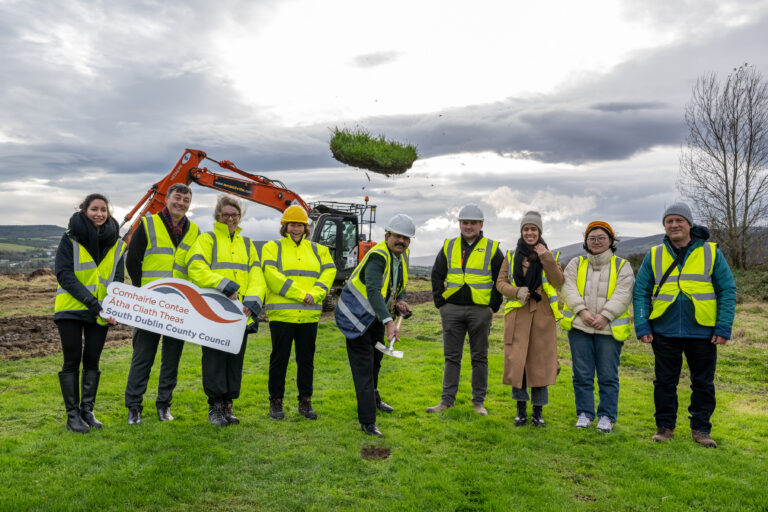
(522, 415)
(276, 409)
(69, 391)
(229, 415)
(216, 415)
(538, 420)
(88, 397)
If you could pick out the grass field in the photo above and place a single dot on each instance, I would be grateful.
(15, 247)
(454, 461)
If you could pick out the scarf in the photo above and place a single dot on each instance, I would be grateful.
(531, 279)
(177, 230)
(96, 241)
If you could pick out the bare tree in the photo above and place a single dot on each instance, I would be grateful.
(723, 164)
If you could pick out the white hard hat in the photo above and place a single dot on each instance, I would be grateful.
(401, 224)
(471, 212)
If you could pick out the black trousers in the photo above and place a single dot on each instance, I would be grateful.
(144, 351)
(365, 363)
(701, 355)
(223, 373)
(81, 341)
(283, 336)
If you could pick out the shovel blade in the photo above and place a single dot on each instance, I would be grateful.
(386, 350)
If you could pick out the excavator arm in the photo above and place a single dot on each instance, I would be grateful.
(253, 187)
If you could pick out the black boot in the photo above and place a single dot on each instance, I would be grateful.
(383, 407)
(522, 415)
(216, 415)
(538, 420)
(276, 409)
(305, 408)
(88, 397)
(229, 415)
(69, 391)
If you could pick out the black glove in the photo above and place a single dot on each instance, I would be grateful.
(253, 328)
(94, 307)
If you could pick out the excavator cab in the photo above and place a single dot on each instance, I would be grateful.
(339, 227)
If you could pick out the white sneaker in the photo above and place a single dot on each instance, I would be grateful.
(584, 421)
(605, 424)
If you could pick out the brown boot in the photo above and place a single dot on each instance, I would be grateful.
(663, 434)
(276, 409)
(703, 438)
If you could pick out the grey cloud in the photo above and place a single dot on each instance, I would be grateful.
(623, 106)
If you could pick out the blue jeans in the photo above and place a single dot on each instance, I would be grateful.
(601, 354)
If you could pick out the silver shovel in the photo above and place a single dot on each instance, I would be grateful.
(388, 349)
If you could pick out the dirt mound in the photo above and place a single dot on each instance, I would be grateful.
(41, 272)
(371, 452)
(34, 336)
(418, 297)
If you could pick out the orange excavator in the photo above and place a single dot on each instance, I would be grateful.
(338, 226)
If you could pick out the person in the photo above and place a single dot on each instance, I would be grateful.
(684, 303)
(299, 274)
(155, 246)
(597, 294)
(89, 257)
(374, 293)
(462, 289)
(227, 261)
(529, 277)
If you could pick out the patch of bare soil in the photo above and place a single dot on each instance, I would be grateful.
(418, 297)
(371, 452)
(36, 335)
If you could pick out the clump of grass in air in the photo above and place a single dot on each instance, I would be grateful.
(359, 149)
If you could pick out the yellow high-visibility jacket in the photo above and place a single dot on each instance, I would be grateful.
(292, 271)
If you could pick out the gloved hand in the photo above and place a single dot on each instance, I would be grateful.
(523, 294)
(94, 307)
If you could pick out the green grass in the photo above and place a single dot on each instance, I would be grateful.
(453, 461)
(4, 246)
(359, 148)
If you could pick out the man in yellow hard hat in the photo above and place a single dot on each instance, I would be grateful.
(299, 275)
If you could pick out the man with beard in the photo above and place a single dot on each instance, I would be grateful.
(463, 278)
(373, 294)
(156, 247)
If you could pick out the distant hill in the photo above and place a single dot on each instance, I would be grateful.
(37, 231)
(628, 246)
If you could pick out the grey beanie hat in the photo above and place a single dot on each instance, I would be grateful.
(680, 209)
(532, 218)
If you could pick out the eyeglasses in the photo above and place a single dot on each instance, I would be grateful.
(594, 239)
(229, 215)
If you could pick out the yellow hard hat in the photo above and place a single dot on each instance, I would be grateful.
(295, 213)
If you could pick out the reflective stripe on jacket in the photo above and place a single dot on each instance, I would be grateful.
(695, 281)
(549, 290)
(620, 326)
(94, 277)
(161, 258)
(291, 272)
(215, 260)
(354, 313)
(476, 273)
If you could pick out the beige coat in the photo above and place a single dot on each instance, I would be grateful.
(596, 291)
(530, 332)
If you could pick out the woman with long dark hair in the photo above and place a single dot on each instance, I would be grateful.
(529, 277)
(89, 257)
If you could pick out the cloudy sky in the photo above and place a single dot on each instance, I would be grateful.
(574, 109)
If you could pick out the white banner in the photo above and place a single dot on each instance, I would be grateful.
(179, 309)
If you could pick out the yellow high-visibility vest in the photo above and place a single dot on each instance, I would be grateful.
(216, 259)
(161, 258)
(354, 313)
(94, 277)
(476, 273)
(695, 281)
(621, 325)
(291, 272)
(549, 290)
